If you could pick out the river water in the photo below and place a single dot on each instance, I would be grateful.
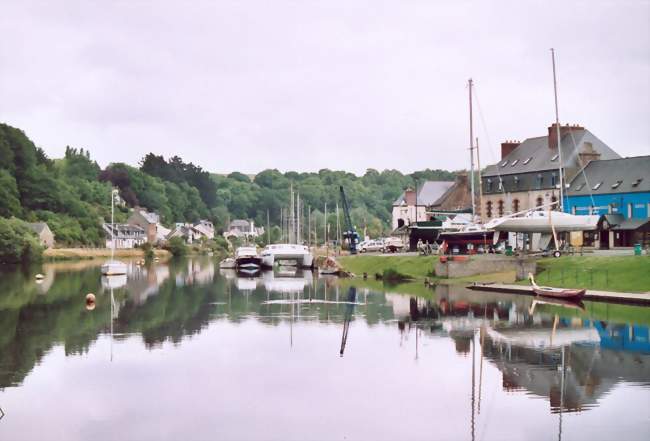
(182, 350)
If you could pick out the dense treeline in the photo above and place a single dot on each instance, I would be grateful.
(72, 194)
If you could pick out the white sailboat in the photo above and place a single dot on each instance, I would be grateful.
(113, 267)
(538, 221)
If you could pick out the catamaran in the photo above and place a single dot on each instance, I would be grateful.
(287, 251)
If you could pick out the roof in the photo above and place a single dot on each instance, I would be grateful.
(38, 227)
(631, 224)
(429, 193)
(239, 223)
(534, 154)
(614, 176)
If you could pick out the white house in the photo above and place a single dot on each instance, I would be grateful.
(125, 235)
(242, 228)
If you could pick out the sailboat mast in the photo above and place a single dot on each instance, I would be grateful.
(480, 182)
(557, 127)
(471, 147)
(112, 224)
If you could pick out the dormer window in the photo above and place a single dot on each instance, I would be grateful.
(597, 186)
(637, 182)
(554, 158)
(528, 160)
(580, 186)
(514, 162)
(504, 163)
(617, 184)
(500, 188)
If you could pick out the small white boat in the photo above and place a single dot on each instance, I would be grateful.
(247, 258)
(228, 263)
(113, 268)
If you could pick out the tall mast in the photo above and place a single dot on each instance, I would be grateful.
(471, 147)
(480, 183)
(268, 228)
(557, 127)
(325, 230)
(338, 227)
(112, 224)
(298, 218)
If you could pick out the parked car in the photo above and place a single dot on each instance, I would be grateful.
(393, 245)
(371, 245)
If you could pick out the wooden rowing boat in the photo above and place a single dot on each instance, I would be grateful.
(558, 293)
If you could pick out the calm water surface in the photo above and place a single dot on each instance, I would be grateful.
(184, 351)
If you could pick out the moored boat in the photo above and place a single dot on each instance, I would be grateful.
(558, 293)
(247, 258)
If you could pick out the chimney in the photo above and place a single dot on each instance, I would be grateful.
(507, 147)
(409, 196)
(564, 129)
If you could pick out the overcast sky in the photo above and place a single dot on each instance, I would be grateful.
(302, 85)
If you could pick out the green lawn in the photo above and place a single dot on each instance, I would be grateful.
(619, 273)
(417, 267)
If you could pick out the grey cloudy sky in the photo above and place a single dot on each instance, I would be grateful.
(302, 85)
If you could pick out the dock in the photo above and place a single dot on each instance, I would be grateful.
(631, 298)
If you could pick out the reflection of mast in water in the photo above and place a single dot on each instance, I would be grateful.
(559, 433)
(349, 309)
(473, 377)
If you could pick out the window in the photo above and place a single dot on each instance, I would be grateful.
(514, 162)
(580, 186)
(500, 188)
(489, 185)
(553, 180)
(500, 208)
(515, 205)
(539, 202)
(504, 163)
(528, 160)
(637, 182)
(617, 184)
(554, 158)
(515, 181)
(597, 186)
(540, 180)
(488, 209)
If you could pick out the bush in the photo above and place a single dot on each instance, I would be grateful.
(391, 275)
(18, 243)
(147, 248)
(176, 246)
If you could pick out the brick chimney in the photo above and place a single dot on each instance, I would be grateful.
(564, 129)
(588, 154)
(507, 147)
(409, 196)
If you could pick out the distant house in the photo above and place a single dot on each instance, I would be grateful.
(205, 227)
(146, 220)
(527, 175)
(45, 235)
(161, 233)
(419, 215)
(242, 228)
(188, 232)
(125, 235)
(432, 199)
(619, 190)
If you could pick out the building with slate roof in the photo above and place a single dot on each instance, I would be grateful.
(618, 189)
(527, 175)
(45, 235)
(432, 198)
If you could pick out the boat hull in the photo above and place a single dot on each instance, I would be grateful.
(248, 262)
(558, 293)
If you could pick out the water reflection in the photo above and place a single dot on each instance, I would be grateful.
(571, 359)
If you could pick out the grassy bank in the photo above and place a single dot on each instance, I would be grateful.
(417, 267)
(93, 253)
(615, 273)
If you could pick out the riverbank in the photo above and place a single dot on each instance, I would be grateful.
(414, 266)
(94, 253)
(612, 273)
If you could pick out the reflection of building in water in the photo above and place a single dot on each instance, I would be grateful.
(144, 282)
(591, 370)
(198, 272)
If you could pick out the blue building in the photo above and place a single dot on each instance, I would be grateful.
(619, 190)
